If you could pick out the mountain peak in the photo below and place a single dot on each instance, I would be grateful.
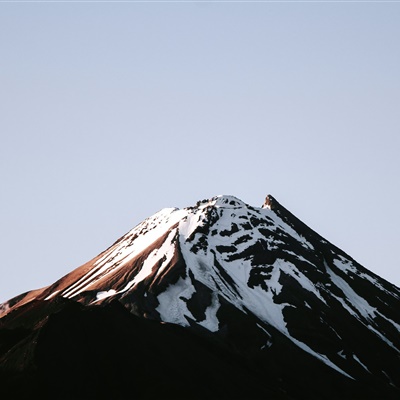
(258, 279)
(222, 200)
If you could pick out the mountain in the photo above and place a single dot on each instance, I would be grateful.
(221, 300)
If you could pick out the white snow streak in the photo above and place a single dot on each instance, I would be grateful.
(51, 295)
(359, 303)
(126, 250)
(359, 361)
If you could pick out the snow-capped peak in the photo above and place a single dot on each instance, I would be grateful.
(197, 265)
(226, 201)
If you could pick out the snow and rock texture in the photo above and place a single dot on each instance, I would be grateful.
(255, 288)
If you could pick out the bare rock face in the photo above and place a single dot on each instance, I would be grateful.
(269, 202)
(220, 300)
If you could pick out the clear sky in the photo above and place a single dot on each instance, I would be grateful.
(111, 111)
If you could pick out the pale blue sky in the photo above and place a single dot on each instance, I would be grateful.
(112, 111)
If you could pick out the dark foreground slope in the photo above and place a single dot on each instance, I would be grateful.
(104, 352)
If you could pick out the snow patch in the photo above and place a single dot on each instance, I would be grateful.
(172, 302)
(104, 294)
(360, 304)
(211, 321)
(363, 365)
(321, 357)
(296, 274)
(341, 354)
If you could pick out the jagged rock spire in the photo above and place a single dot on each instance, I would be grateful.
(269, 202)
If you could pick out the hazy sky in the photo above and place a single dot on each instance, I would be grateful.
(111, 111)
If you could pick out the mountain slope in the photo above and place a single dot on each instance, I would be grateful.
(256, 280)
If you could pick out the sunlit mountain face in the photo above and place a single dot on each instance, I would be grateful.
(220, 300)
